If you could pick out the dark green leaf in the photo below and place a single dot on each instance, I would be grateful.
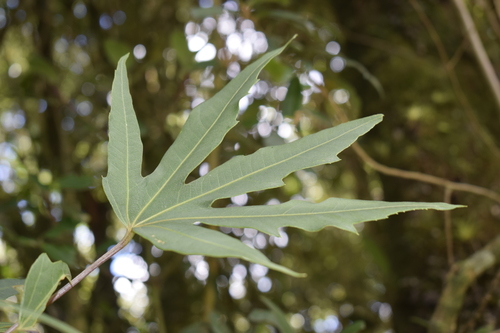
(293, 99)
(76, 182)
(217, 324)
(6, 289)
(355, 327)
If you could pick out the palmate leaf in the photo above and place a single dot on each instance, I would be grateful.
(162, 208)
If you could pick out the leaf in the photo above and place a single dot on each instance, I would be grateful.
(162, 208)
(179, 43)
(263, 316)
(4, 326)
(66, 253)
(39, 65)
(374, 81)
(275, 317)
(335, 212)
(196, 328)
(186, 238)
(200, 12)
(43, 318)
(76, 182)
(42, 280)
(6, 289)
(355, 327)
(217, 324)
(293, 98)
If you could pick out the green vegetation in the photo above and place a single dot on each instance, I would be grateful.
(169, 219)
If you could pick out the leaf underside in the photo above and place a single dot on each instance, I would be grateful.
(42, 280)
(162, 208)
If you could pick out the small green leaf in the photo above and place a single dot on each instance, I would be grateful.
(279, 316)
(216, 323)
(200, 12)
(6, 289)
(355, 327)
(40, 66)
(42, 318)
(42, 280)
(4, 326)
(263, 316)
(374, 81)
(76, 182)
(293, 98)
(179, 44)
(196, 328)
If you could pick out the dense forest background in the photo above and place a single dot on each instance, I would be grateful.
(429, 66)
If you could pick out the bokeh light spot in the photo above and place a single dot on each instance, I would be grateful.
(15, 70)
(105, 21)
(139, 51)
(80, 10)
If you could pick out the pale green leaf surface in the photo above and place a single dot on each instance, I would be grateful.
(334, 212)
(162, 208)
(6, 289)
(42, 280)
(204, 130)
(43, 318)
(189, 239)
(124, 149)
(263, 169)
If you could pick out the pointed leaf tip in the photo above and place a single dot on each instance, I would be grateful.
(42, 280)
(124, 58)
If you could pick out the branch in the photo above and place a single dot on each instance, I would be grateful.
(422, 177)
(449, 65)
(479, 51)
(425, 178)
(469, 327)
(89, 269)
(460, 277)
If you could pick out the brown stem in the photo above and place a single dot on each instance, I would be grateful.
(425, 178)
(496, 4)
(460, 277)
(469, 327)
(448, 65)
(89, 269)
(422, 177)
(479, 51)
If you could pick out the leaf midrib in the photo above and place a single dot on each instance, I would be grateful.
(31, 299)
(134, 224)
(245, 176)
(151, 224)
(127, 138)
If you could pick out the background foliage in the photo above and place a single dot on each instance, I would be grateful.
(409, 60)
